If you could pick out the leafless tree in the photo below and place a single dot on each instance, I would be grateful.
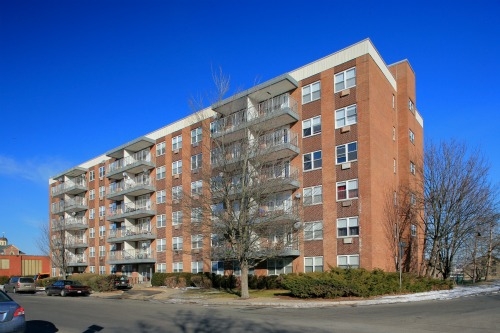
(52, 242)
(458, 199)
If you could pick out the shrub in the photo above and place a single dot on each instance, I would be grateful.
(4, 279)
(201, 281)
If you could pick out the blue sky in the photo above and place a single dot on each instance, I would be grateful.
(78, 78)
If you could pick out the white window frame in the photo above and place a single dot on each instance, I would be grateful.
(161, 245)
(102, 211)
(217, 267)
(102, 270)
(350, 224)
(161, 221)
(102, 171)
(91, 213)
(91, 233)
(316, 163)
(92, 252)
(346, 116)
(196, 241)
(177, 243)
(348, 261)
(350, 185)
(177, 267)
(196, 161)
(91, 175)
(349, 154)
(102, 231)
(196, 135)
(177, 192)
(196, 267)
(313, 230)
(345, 79)
(176, 167)
(102, 251)
(161, 268)
(313, 192)
(313, 125)
(177, 142)
(279, 266)
(311, 92)
(92, 194)
(411, 105)
(196, 215)
(102, 191)
(161, 196)
(196, 187)
(316, 264)
(411, 136)
(177, 217)
(161, 172)
(160, 148)
(413, 168)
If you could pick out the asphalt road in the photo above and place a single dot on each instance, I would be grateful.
(92, 314)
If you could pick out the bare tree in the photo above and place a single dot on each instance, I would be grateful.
(53, 243)
(457, 201)
(248, 208)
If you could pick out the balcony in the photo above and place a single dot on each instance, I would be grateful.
(132, 211)
(133, 233)
(280, 177)
(72, 187)
(134, 164)
(278, 145)
(73, 205)
(76, 243)
(135, 187)
(131, 256)
(272, 113)
(282, 212)
(72, 223)
(77, 260)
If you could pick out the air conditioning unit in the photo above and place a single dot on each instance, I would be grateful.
(176, 227)
(196, 196)
(176, 151)
(196, 144)
(175, 201)
(345, 92)
(348, 240)
(195, 170)
(345, 129)
(176, 176)
(196, 251)
(346, 166)
(101, 178)
(346, 203)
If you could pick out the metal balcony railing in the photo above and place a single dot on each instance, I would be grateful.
(143, 155)
(131, 255)
(75, 183)
(130, 184)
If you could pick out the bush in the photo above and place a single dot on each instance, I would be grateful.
(201, 281)
(4, 279)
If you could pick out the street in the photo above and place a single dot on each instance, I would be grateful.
(92, 314)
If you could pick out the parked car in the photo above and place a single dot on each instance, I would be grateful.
(121, 282)
(67, 287)
(20, 284)
(12, 317)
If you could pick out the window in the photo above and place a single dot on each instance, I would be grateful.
(196, 162)
(413, 230)
(160, 148)
(347, 227)
(176, 217)
(312, 160)
(102, 171)
(345, 79)
(394, 165)
(313, 195)
(161, 245)
(102, 251)
(161, 196)
(177, 243)
(196, 215)
(411, 136)
(161, 268)
(102, 211)
(91, 270)
(91, 233)
(413, 199)
(196, 187)
(102, 270)
(218, 267)
(177, 267)
(411, 106)
(92, 194)
(196, 241)
(311, 92)
(348, 261)
(196, 267)
(393, 133)
(177, 142)
(412, 168)
(92, 252)
(196, 135)
(393, 101)
(313, 264)
(279, 266)
(313, 230)
(102, 192)
(346, 116)
(91, 175)
(177, 192)
(161, 221)
(91, 213)
(160, 172)
(347, 152)
(347, 189)
(311, 126)
(177, 167)
(102, 231)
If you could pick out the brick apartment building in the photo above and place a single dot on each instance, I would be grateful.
(349, 129)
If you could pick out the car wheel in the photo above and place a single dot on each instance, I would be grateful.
(63, 293)
(47, 293)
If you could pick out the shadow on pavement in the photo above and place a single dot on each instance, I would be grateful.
(40, 326)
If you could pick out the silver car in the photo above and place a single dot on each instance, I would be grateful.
(20, 284)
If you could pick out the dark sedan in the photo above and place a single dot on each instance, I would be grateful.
(67, 287)
(12, 317)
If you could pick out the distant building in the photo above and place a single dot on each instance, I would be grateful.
(15, 262)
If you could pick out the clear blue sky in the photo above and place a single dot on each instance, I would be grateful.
(78, 78)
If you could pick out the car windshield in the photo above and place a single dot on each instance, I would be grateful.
(26, 280)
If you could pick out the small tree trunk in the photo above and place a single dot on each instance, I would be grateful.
(244, 280)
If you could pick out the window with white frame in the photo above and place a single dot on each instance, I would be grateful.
(91, 175)
(393, 133)
(345, 79)
(196, 135)
(313, 195)
(412, 168)
(160, 148)
(102, 270)
(348, 227)
(411, 105)
(161, 245)
(160, 172)
(177, 267)
(177, 193)
(215, 240)
(92, 194)
(279, 266)
(347, 152)
(313, 264)
(217, 267)
(161, 268)
(102, 231)
(348, 261)
(394, 164)
(177, 167)
(312, 160)
(91, 213)
(161, 221)
(413, 230)
(177, 142)
(177, 243)
(347, 189)
(102, 251)
(196, 215)
(196, 267)
(91, 233)
(313, 230)
(311, 126)
(161, 196)
(413, 199)
(311, 92)
(411, 135)
(102, 191)
(196, 241)
(91, 252)
(346, 116)
(92, 269)
(177, 217)
(196, 161)
(196, 187)
(102, 171)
